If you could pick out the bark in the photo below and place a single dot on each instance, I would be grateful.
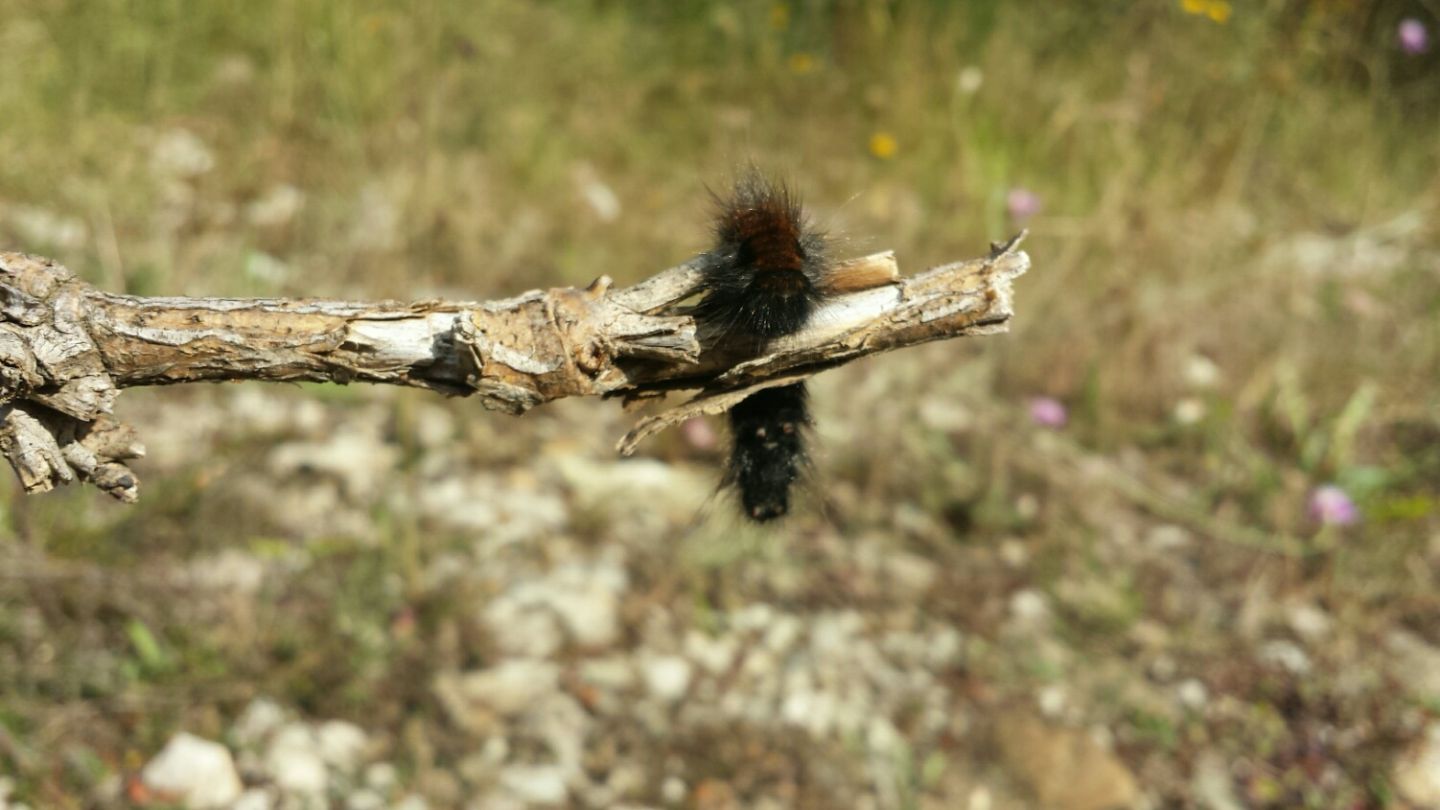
(67, 349)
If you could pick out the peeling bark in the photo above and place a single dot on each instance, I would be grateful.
(66, 349)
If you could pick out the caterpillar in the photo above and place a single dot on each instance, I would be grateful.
(762, 280)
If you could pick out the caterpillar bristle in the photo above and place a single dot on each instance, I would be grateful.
(763, 276)
(763, 279)
(769, 450)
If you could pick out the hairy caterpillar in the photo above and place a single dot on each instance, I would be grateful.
(763, 279)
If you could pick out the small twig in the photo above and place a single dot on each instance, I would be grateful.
(66, 349)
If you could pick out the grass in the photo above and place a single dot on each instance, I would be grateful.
(1256, 197)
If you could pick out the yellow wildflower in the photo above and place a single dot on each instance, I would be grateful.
(801, 63)
(883, 145)
(1217, 10)
(780, 16)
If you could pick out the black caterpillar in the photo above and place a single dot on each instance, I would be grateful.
(763, 280)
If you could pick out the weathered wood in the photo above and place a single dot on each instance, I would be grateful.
(66, 349)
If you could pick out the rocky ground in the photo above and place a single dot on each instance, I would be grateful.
(405, 604)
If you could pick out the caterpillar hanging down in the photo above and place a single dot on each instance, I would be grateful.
(763, 280)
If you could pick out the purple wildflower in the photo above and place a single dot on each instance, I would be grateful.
(1413, 36)
(698, 433)
(1022, 203)
(1331, 506)
(1048, 412)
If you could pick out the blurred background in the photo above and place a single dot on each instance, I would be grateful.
(1172, 542)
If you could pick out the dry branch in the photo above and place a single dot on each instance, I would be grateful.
(66, 349)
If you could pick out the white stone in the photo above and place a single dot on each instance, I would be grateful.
(601, 199)
(672, 790)
(277, 207)
(587, 599)
(536, 784)
(1192, 694)
(1286, 654)
(912, 574)
(341, 744)
(1415, 663)
(257, 722)
(1030, 610)
(582, 600)
(521, 630)
(613, 673)
(1014, 553)
(294, 763)
(881, 737)
(1309, 622)
(360, 460)
(230, 570)
(782, 633)
(1201, 371)
(38, 226)
(666, 676)
(1417, 773)
(1167, 537)
(511, 686)
(1212, 783)
(179, 153)
(381, 777)
(254, 799)
(1051, 700)
(753, 617)
(365, 799)
(199, 771)
(945, 647)
(1189, 411)
(714, 655)
(968, 82)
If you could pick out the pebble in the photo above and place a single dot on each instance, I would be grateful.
(1029, 611)
(1309, 622)
(1192, 694)
(341, 745)
(1415, 663)
(257, 722)
(254, 799)
(294, 763)
(180, 154)
(667, 677)
(536, 784)
(578, 601)
(1212, 784)
(381, 777)
(672, 790)
(511, 686)
(1051, 700)
(1417, 772)
(714, 655)
(200, 772)
(613, 673)
(231, 570)
(1285, 654)
(364, 799)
